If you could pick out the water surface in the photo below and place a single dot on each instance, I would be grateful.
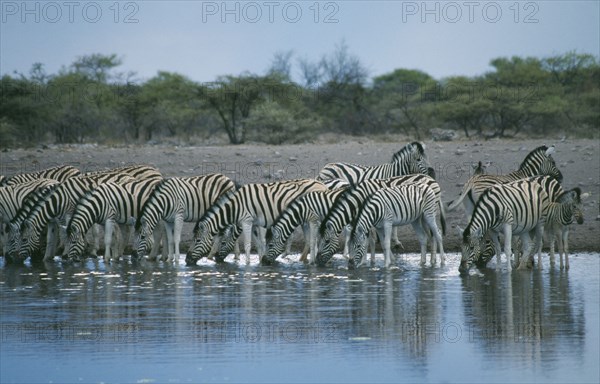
(147, 322)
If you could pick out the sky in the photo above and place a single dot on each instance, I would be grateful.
(206, 39)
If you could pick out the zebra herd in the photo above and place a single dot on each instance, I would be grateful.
(361, 202)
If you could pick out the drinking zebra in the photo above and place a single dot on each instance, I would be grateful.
(408, 160)
(347, 206)
(57, 208)
(513, 208)
(309, 209)
(174, 201)
(11, 240)
(58, 173)
(415, 204)
(252, 204)
(109, 204)
(537, 162)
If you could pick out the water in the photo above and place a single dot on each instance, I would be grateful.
(148, 322)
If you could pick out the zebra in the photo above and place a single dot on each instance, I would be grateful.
(57, 208)
(537, 162)
(415, 204)
(12, 244)
(110, 204)
(138, 172)
(514, 208)
(58, 173)
(560, 216)
(174, 201)
(564, 207)
(310, 208)
(251, 204)
(408, 160)
(348, 204)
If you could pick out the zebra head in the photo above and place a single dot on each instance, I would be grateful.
(29, 241)
(75, 242)
(14, 240)
(412, 158)
(470, 249)
(487, 253)
(275, 245)
(357, 247)
(327, 246)
(202, 244)
(572, 200)
(144, 239)
(228, 237)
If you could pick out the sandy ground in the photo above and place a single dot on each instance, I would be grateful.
(578, 160)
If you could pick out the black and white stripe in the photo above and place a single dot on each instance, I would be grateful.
(251, 205)
(310, 210)
(408, 160)
(537, 162)
(58, 173)
(515, 209)
(109, 204)
(174, 201)
(415, 204)
(348, 205)
(56, 209)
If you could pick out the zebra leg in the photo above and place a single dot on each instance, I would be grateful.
(422, 237)
(125, 240)
(169, 232)
(436, 239)
(314, 228)
(565, 246)
(307, 232)
(51, 241)
(539, 241)
(346, 232)
(372, 244)
(525, 257)
(247, 231)
(108, 232)
(177, 228)
(96, 239)
(507, 246)
(385, 236)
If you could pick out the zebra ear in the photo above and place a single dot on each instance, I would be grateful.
(478, 233)
(460, 230)
(550, 150)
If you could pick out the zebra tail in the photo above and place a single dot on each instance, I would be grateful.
(442, 218)
(456, 202)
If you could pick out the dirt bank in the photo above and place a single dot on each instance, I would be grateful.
(578, 160)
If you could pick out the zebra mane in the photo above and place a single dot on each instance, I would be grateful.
(536, 152)
(338, 201)
(466, 233)
(359, 213)
(218, 204)
(409, 148)
(577, 191)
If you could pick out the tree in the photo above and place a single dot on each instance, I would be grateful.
(233, 98)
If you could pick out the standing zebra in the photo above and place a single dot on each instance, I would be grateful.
(174, 201)
(515, 209)
(252, 204)
(408, 160)
(109, 204)
(58, 173)
(560, 215)
(347, 206)
(537, 162)
(415, 204)
(310, 208)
